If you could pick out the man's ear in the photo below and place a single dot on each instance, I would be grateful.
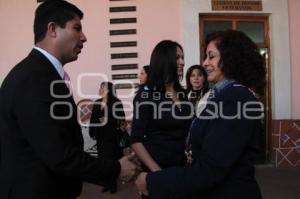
(52, 29)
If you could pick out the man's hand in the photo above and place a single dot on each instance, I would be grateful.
(141, 183)
(128, 168)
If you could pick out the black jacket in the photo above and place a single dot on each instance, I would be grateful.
(223, 152)
(41, 142)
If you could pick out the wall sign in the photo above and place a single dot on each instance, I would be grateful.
(241, 5)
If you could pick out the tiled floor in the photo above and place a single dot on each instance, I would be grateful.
(274, 183)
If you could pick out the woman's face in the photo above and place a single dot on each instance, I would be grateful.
(102, 90)
(180, 62)
(197, 79)
(211, 63)
(143, 76)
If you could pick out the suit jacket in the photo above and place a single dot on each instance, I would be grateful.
(41, 142)
(223, 152)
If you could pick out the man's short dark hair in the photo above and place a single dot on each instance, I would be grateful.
(57, 11)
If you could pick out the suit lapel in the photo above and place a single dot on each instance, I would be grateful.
(60, 88)
(37, 56)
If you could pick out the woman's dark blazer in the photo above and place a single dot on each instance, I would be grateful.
(161, 126)
(223, 151)
(41, 142)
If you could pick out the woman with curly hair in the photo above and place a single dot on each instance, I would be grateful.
(224, 141)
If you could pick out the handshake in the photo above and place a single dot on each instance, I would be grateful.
(130, 167)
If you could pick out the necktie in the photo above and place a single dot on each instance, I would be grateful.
(67, 81)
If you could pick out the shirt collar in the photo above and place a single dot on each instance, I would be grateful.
(55, 62)
(221, 84)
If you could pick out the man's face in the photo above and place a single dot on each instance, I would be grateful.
(69, 40)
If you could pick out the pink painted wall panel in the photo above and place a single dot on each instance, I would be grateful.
(294, 23)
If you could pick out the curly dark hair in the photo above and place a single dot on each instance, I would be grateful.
(240, 58)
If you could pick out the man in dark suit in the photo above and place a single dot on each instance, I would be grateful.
(41, 142)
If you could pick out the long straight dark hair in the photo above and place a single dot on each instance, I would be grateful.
(163, 66)
(111, 94)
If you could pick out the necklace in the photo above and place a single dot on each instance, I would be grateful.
(188, 146)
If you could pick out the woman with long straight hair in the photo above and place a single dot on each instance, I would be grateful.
(106, 118)
(162, 114)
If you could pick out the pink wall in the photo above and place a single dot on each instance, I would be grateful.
(294, 16)
(156, 20)
(16, 33)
